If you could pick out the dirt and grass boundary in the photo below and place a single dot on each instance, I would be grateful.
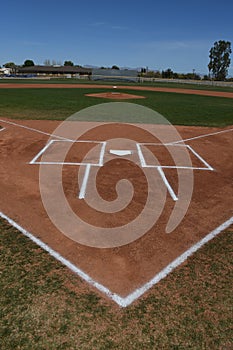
(44, 306)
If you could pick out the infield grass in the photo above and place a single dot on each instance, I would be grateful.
(59, 104)
(45, 306)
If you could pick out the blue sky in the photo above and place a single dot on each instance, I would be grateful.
(165, 34)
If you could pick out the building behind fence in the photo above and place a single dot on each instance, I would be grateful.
(115, 74)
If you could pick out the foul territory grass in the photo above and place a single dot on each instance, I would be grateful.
(59, 104)
(44, 306)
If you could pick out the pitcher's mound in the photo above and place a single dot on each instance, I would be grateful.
(115, 95)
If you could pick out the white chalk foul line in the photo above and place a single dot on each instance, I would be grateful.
(35, 130)
(63, 138)
(175, 263)
(64, 261)
(126, 301)
(202, 136)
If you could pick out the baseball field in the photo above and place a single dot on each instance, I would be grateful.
(164, 285)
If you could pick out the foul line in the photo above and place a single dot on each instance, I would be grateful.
(126, 301)
(35, 130)
(64, 138)
(64, 261)
(201, 136)
(175, 263)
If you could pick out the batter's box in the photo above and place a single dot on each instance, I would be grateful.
(68, 152)
(171, 156)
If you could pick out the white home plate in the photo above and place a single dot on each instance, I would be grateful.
(120, 153)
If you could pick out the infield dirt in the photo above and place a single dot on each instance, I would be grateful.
(121, 269)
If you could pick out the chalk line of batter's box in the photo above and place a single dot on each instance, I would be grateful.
(136, 294)
(167, 184)
(208, 167)
(88, 165)
(51, 142)
(83, 188)
(145, 165)
(140, 154)
(161, 167)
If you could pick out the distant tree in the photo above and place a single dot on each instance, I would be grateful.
(12, 67)
(206, 77)
(9, 65)
(167, 73)
(115, 67)
(68, 63)
(220, 59)
(28, 63)
(175, 76)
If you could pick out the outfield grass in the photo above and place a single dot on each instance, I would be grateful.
(164, 84)
(44, 306)
(179, 109)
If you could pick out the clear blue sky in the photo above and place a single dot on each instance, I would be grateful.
(174, 34)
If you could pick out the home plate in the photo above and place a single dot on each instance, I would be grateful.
(120, 153)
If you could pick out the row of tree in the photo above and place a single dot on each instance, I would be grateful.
(219, 63)
(30, 63)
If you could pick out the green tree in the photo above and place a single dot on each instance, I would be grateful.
(220, 59)
(9, 65)
(12, 67)
(68, 63)
(115, 67)
(28, 63)
(167, 73)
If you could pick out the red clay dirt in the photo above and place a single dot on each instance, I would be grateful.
(121, 269)
(115, 96)
(138, 88)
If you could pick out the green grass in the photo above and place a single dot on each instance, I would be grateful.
(59, 104)
(44, 306)
(179, 85)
